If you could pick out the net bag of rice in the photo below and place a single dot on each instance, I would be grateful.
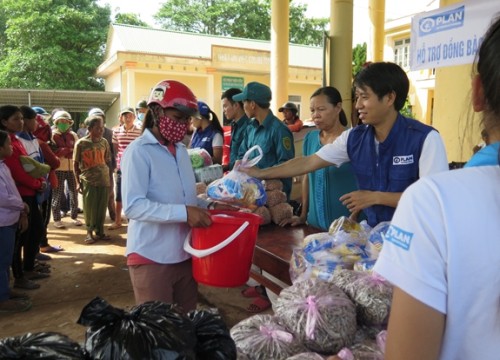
(372, 295)
(319, 313)
(264, 213)
(263, 337)
(275, 197)
(273, 184)
(343, 277)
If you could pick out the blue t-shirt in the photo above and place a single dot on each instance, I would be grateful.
(488, 155)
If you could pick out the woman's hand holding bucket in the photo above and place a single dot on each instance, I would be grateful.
(198, 217)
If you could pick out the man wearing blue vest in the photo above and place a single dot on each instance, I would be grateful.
(388, 151)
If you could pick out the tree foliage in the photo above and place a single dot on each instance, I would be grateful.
(52, 44)
(358, 58)
(130, 19)
(237, 18)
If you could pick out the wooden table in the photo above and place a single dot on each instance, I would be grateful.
(273, 252)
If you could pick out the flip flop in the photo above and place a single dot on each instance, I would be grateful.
(260, 304)
(251, 292)
(51, 249)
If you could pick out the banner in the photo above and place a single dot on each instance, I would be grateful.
(450, 35)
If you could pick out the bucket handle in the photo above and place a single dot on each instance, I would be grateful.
(205, 252)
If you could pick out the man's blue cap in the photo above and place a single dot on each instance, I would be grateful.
(40, 110)
(255, 91)
(203, 109)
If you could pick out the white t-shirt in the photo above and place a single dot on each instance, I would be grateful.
(432, 159)
(443, 248)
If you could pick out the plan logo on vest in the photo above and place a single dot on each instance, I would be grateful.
(442, 21)
(398, 237)
(402, 160)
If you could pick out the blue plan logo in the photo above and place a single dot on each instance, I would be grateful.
(442, 21)
(398, 237)
(402, 160)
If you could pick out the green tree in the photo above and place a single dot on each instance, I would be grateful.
(358, 58)
(53, 44)
(130, 19)
(238, 18)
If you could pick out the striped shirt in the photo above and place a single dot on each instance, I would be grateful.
(123, 138)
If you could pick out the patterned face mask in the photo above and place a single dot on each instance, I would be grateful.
(173, 131)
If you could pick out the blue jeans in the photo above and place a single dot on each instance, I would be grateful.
(7, 240)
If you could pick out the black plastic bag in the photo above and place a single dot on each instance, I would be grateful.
(214, 339)
(150, 331)
(43, 345)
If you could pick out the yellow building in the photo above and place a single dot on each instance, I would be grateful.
(137, 58)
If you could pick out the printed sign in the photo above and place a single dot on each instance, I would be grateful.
(450, 35)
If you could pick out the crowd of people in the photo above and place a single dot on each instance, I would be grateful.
(387, 168)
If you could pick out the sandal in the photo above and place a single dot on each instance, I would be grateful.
(252, 291)
(51, 249)
(89, 240)
(258, 305)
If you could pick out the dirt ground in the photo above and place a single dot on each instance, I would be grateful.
(82, 272)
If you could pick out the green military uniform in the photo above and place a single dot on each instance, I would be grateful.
(276, 142)
(238, 134)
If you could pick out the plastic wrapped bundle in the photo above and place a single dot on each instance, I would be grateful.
(240, 355)
(376, 240)
(213, 339)
(281, 212)
(264, 213)
(372, 295)
(320, 265)
(262, 337)
(349, 231)
(153, 330)
(319, 313)
(44, 345)
(275, 197)
(199, 158)
(273, 184)
(237, 188)
(368, 351)
(307, 356)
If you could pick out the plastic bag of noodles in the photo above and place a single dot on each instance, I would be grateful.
(153, 331)
(319, 313)
(213, 339)
(43, 345)
(263, 337)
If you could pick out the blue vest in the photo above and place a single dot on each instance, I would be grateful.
(394, 168)
(203, 139)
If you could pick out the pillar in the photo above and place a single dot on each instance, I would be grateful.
(375, 49)
(341, 21)
(279, 52)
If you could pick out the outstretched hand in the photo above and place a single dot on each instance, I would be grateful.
(198, 217)
(358, 200)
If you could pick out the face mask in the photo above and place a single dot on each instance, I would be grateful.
(140, 116)
(62, 127)
(172, 130)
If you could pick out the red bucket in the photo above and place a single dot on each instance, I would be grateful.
(223, 252)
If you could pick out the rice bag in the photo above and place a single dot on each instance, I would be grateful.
(263, 337)
(307, 356)
(281, 212)
(275, 197)
(239, 189)
(319, 313)
(273, 184)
